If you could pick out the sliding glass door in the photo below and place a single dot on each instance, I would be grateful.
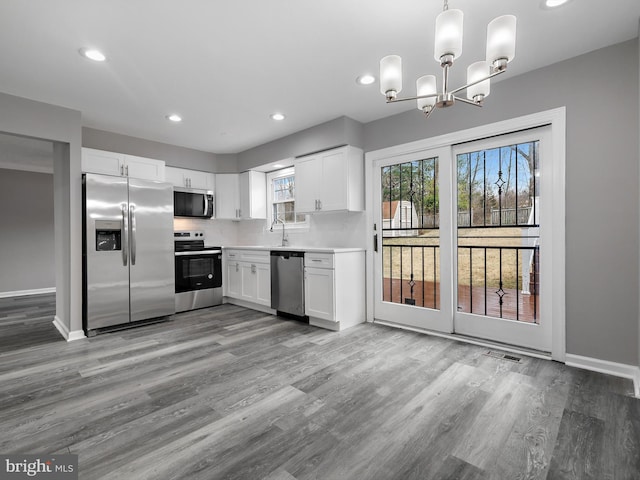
(463, 239)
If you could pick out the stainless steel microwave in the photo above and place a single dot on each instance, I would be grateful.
(193, 203)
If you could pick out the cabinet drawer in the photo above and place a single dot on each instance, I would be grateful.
(254, 256)
(232, 254)
(318, 260)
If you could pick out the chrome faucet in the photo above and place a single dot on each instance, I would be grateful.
(285, 241)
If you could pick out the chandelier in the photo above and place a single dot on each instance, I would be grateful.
(501, 47)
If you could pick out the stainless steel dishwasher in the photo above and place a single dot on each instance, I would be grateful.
(287, 283)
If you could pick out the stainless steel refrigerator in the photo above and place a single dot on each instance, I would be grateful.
(128, 258)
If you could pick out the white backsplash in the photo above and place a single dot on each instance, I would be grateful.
(216, 232)
(340, 229)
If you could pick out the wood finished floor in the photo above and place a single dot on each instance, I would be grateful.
(230, 393)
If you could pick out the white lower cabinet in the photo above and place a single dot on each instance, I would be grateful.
(334, 289)
(233, 282)
(248, 276)
(319, 299)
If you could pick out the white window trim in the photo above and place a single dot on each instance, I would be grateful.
(285, 172)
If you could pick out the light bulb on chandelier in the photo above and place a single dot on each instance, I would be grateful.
(501, 47)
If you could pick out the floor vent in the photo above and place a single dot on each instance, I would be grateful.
(503, 356)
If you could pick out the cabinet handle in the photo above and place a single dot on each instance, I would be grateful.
(319, 204)
(237, 268)
(253, 269)
(121, 170)
(375, 242)
(315, 260)
(127, 170)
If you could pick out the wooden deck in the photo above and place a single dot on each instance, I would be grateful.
(515, 305)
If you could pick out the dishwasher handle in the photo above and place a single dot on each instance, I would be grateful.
(287, 254)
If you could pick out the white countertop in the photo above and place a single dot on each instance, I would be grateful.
(295, 248)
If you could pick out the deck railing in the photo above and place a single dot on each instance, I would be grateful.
(411, 277)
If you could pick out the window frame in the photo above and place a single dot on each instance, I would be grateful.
(274, 175)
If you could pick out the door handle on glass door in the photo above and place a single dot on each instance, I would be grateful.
(132, 210)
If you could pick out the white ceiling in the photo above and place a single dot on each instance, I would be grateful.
(225, 66)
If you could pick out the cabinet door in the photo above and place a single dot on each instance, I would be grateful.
(249, 285)
(233, 282)
(99, 161)
(263, 288)
(175, 176)
(200, 180)
(253, 195)
(145, 168)
(319, 295)
(333, 193)
(308, 177)
(227, 199)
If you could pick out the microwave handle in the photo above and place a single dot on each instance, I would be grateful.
(206, 204)
(125, 230)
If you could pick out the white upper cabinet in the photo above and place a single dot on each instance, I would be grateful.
(227, 196)
(121, 165)
(330, 181)
(241, 196)
(253, 195)
(182, 177)
(140, 167)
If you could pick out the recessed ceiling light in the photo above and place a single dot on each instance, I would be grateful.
(554, 3)
(174, 118)
(277, 165)
(93, 54)
(277, 116)
(365, 79)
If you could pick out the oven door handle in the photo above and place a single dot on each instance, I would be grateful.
(198, 252)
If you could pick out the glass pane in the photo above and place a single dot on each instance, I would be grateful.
(283, 189)
(285, 211)
(498, 251)
(410, 233)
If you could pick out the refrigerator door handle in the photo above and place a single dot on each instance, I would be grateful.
(125, 231)
(132, 210)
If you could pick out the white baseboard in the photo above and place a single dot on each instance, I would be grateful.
(23, 293)
(631, 372)
(64, 331)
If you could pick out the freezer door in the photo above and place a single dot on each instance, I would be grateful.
(107, 270)
(152, 277)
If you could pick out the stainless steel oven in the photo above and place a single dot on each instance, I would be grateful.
(198, 272)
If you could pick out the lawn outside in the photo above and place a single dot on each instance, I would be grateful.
(397, 264)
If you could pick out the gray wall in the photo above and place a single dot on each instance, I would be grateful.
(27, 257)
(602, 178)
(337, 132)
(21, 116)
(173, 155)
